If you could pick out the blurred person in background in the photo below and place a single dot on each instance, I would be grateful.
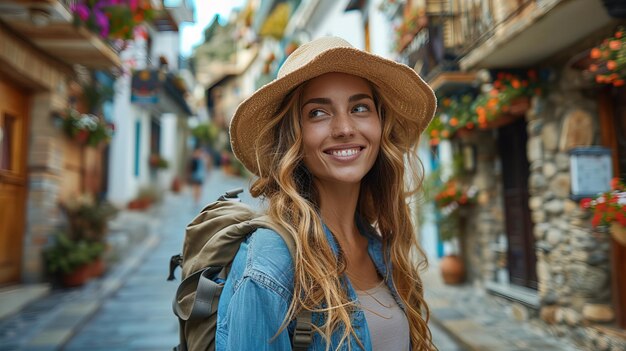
(198, 171)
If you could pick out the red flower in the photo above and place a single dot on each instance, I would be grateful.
(585, 203)
(596, 220)
(615, 184)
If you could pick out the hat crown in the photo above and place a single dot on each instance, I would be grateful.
(308, 52)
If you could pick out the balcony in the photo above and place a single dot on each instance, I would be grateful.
(504, 34)
(48, 24)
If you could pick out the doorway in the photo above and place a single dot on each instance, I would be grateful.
(13, 179)
(521, 257)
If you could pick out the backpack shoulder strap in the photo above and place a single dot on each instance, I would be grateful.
(303, 334)
(266, 222)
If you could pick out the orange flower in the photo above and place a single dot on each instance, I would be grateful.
(434, 142)
(480, 111)
(446, 102)
(482, 119)
(615, 45)
(595, 53)
(593, 68)
(618, 83)
(493, 92)
(434, 133)
(515, 84)
(492, 103)
(599, 78)
(445, 133)
(611, 65)
(469, 125)
(454, 122)
(618, 35)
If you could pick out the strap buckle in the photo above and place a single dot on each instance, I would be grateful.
(303, 334)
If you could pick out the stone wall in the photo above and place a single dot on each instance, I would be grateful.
(46, 79)
(573, 267)
(484, 222)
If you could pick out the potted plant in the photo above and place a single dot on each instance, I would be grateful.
(112, 19)
(609, 209)
(70, 259)
(156, 161)
(609, 60)
(452, 201)
(86, 129)
(87, 221)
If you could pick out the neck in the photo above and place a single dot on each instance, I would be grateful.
(338, 207)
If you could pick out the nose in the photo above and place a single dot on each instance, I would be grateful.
(342, 126)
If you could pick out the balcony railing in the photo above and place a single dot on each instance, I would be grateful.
(468, 23)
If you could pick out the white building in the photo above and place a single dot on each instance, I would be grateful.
(155, 124)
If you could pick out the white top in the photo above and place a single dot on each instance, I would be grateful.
(386, 321)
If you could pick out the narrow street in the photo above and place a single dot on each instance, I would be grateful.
(139, 316)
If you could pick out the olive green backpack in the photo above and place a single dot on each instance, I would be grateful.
(211, 242)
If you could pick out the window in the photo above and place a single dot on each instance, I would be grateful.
(7, 131)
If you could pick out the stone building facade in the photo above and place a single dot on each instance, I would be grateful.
(526, 239)
(38, 80)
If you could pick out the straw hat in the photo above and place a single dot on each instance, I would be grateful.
(409, 95)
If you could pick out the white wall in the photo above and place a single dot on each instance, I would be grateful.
(330, 19)
(166, 44)
(123, 183)
(168, 148)
(381, 31)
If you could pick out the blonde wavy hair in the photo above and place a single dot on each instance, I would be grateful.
(287, 185)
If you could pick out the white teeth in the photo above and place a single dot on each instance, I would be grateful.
(345, 153)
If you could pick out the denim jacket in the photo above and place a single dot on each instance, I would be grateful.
(259, 289)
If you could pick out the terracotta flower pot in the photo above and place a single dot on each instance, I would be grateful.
(78, 277)
(97, 268)
(452, 269)
(618, 232)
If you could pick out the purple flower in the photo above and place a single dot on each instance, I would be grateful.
(133, 4)
(81, 10)
(102, 22)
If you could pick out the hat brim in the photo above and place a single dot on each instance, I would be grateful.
(410, 96)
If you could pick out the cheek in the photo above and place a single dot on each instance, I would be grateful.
(311, 140)
(375, 134)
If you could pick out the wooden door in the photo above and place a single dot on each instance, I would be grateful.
(13, 151)
(521, 257)
(613, 131)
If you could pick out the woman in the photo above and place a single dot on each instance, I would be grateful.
(198, 172)
(331, 140)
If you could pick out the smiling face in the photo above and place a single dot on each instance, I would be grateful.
(341, 129)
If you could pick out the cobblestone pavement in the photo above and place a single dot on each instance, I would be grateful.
(129, 309)
(479, 321)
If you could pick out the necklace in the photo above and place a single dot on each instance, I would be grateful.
(374, 297)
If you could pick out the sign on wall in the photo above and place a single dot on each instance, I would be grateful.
(146, 86)
(591, 171)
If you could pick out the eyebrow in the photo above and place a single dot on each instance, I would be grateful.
(327, 101)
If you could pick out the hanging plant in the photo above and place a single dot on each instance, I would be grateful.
(506, 89)
(453, 114)
(86, 129)
(112, 19)
(276, 22)
(609, 60)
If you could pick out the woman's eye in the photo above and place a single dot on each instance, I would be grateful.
(360, 108)
(316, 113)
